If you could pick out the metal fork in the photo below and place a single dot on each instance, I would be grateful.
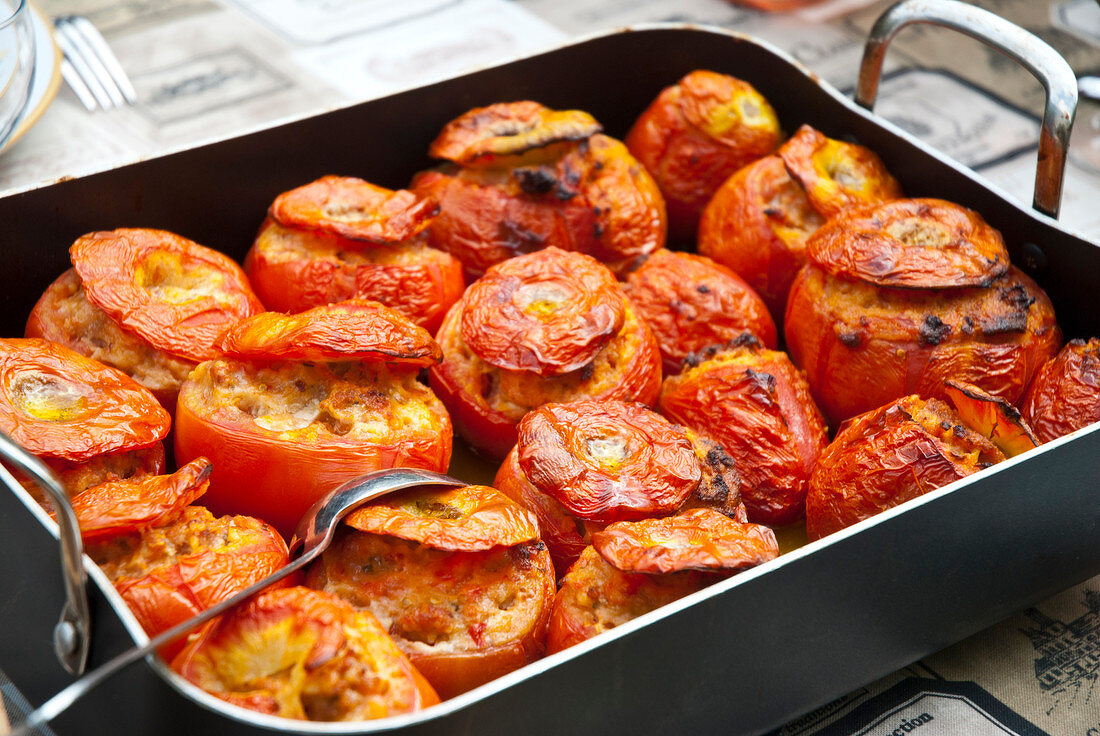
(90, 67)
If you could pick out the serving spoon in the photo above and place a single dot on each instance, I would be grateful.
(312, 536)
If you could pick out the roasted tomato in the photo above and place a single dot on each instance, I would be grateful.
(300, 653)
(579, 465)
(757, 405)
(59, 404)
(863, 345)
(283, 434)
(690, 302)
(757, 223)
(65, 316)
(992, 417)
(351, 330)
(293, 270)
(888, 456)
(1065, 395)
(309, 404)
(457, 577)
(524, 177)
(173, 293)
(563, 321)
(168, 573)
(695, 135)
(127, 506)
(634, 567)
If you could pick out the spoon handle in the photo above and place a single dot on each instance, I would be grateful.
(69, 695)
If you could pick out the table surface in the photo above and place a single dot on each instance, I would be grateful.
(206, 70)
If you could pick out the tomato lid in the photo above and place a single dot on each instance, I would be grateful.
(992, 417)
(722, 106)
(508, 128)
(353, 208)
(699, 539)
(353, 330)
(57, 403)
(548, 312)
(466, 519)
(172, 292)
(836, 175)
(911, 243)
(123, 506)
(608, 460)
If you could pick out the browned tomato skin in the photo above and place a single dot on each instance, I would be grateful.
(357, 329)
(353, 208)
(328, 616)
(480, 135)
(126, 506)
(757, 405)
(690, 302)
(1065, 394)
(879, 460)
(688, 162)
(565, 535)
(856, 360)
(422, 291)
(470, 519)
(279, 479)
(593, 198)
(739, 229)
(500, 324)
(646, 466)
(109, 264)
(911, 243)
(109, 411)
(829, 195)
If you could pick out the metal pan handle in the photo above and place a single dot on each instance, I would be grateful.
(72, 635)
(1026, 49)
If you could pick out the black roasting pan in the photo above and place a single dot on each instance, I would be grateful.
(739, 658)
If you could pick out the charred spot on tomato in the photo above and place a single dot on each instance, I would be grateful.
(933, 330)
(535, 179)
(519, 239)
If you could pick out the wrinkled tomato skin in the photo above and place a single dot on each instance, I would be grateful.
(757, 405)
(690, 302)
(688, 161)
(319, 268)
(911, 243)
(257, 473)
(114, 265)
(59, 404)
(593, 198)
(355, 330)
(460, 382)
(884, 458)
(756, 225)
(862, 346)
(868, 181)
(1065, 395)
(565, 535)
